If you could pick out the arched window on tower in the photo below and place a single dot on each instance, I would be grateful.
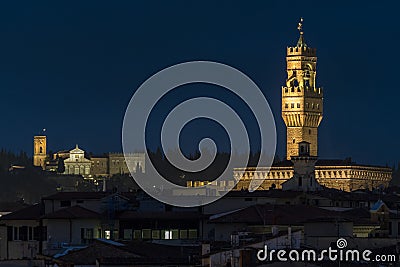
(40, 150)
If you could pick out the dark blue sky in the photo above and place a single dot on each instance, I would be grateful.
(72, 66)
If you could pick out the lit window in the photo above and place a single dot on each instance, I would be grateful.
(107, 234)
(175, 234)
(317, 106)
(167, 234)
(155, 234)
(137, 234)
(183, 234)
(146, 233)
(192, 233)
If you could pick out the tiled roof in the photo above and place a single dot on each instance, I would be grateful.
(29, 213)
(275, 193)
(159, 215)
(77, 195)
(275, 214)
(290, 215)
(377, 205)
(75, 212)
(164, 252)
(357, 213)
(337, 195)
(87, 195)
(98, 249)
(132, 253)
(12, 206)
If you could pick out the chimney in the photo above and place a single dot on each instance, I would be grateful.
(104, 185)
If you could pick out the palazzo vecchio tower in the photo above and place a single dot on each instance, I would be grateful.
(302, 100)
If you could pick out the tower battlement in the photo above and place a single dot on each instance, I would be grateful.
(301, 51)
(307, 91)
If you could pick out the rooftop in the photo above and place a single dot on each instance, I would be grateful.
(98, 249)
(76, 195)
(75, 212)
(274, 214)
(29, 213)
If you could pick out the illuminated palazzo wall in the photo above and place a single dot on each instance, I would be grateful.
(347, 178)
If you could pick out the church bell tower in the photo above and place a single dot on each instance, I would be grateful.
(302, 100)
(39, 151)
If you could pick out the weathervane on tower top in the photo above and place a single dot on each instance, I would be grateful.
(300, 26)
(300, 42)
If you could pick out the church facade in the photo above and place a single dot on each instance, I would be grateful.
(77, 164)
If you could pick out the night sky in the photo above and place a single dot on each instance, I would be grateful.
(71, 67)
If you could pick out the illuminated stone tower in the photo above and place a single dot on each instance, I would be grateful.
(39, 151)
(302, 103)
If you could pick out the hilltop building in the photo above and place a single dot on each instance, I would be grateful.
(76, 162)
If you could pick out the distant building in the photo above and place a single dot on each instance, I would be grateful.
(117, 164)
(121, 163)
(63, 154)
(77, 164)
(39, 151)
(99, 166)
